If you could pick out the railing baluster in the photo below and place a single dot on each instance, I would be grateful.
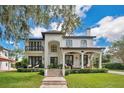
(34, 48)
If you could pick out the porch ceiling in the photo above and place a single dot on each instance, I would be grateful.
(84, 48)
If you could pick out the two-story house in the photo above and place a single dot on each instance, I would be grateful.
(56, 48)
(5, 62)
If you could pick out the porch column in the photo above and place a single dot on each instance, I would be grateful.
(63, 63)
(82, 60)
(92, 60)
(46, 58)
(29, 60)
(88, 65)
(100, 60)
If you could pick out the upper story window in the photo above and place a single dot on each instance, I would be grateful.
(53, 48)
(35, 43)
(34, 46)
(6, 54)
(83, 43)
(69, 43)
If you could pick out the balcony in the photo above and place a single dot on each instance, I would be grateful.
(34, 48)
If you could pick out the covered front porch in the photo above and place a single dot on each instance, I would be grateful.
(81, 58)
(76, 58)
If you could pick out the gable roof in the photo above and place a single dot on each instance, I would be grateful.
(52, 32)
(59, 32)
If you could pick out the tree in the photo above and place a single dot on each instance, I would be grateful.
(22, 64)
(106, 58)
(15, 54)
(15, 19)
(117, 49)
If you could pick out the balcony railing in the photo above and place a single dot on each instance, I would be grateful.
(34, 48)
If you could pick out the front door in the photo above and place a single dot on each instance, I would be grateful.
(54, 61)
(69, 60)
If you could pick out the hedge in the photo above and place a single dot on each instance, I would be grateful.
(29, 69)
(86, 70)
(41, 72)
(116, 66)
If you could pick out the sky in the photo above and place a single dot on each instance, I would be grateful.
(106, 23)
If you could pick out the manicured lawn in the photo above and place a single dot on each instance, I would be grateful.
(20, 80)
(99, 80)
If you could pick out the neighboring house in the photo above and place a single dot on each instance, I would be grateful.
(4, 61)
(56, 48)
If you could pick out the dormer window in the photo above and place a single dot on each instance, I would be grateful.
(83, 43)
(53, 48)
(69, 43)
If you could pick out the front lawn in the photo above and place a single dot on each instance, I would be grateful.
(97, 80)
(20, 80)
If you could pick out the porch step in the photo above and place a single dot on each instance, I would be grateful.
(54, 73)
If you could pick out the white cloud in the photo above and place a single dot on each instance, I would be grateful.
(82, 9)
(10, 42)
(80, 34)
(110, 28)
(36, 32)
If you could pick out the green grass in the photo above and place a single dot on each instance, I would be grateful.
(20, 80)
(97, 80)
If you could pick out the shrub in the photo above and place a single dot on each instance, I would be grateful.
(18, 64)
(28, 69)
(115, 66)
(22, 64)
(41, 65)
(41, 72)
(54, 66)
(86, 70)
(67, 72)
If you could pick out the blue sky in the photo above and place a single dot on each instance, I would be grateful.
(106, 22)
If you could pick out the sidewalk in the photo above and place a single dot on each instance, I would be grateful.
(116, 72)
(54, 82)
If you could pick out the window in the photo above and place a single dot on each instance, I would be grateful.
(6, 64)
(83, 43)
(69, 59)
(6, 54)
(68, 43)
(53, 48)
(53, 60)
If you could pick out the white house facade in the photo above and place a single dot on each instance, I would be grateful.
(56, 48)
(4, 61)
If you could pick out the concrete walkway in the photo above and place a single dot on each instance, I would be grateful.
(54, 82)
(116, 72)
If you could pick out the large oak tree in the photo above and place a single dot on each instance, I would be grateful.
(14, 19)
(117, 49)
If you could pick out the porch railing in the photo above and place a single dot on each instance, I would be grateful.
(34, 48)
